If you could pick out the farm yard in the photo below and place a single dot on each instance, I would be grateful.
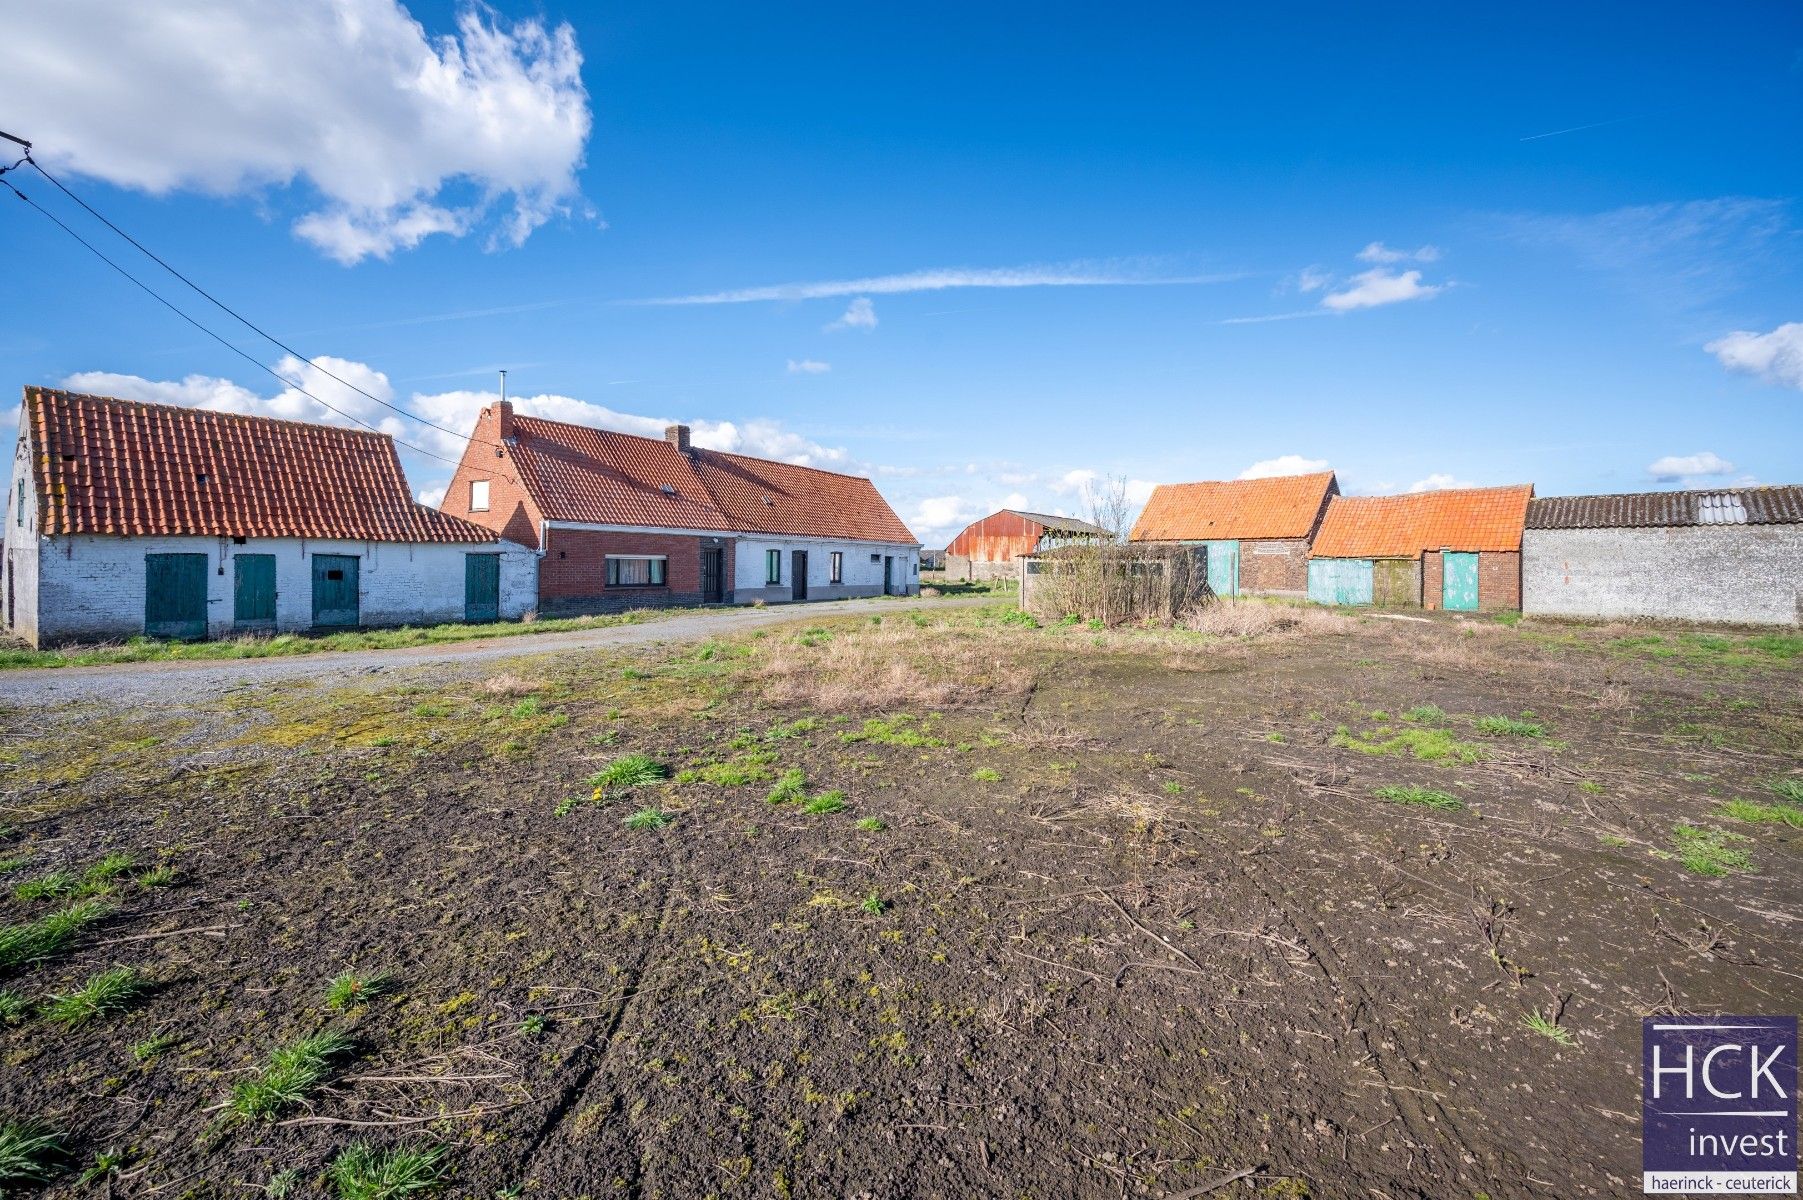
(941, 902)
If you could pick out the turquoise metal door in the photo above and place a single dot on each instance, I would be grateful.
(175, 596)
(1458, 581)
(481, 587)
(1223, 568)
(335, 590)
(253, 590)
(1339, 580)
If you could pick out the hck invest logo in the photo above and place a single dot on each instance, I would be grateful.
(1719, 1105)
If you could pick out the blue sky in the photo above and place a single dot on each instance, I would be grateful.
(1543, 243)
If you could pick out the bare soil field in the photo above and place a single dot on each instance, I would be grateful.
(935, 904)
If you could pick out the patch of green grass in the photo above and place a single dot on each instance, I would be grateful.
(629, 771)
(792, 786)
(281, 1183)
(47, 887)
(1426, 714)
(1172, 788)
(1509, 727)
(1020, 617)
(1421, 797)
(1788, 787)
(1507, 618)
(1428, 745)
(290, 1076)
(825, 802)
(531, 1026)
(350, 989)
(986, 775)
(154, 1047)
(29, 1153)
(161, 876)
(871, 824)
(13, 862)
(873, 904)
(891, 731)
(107, 1162)
(751, 767)
(13, 1008)
(363, 1172)
(47, 936)
(647, 818)
(108, 868)
(1590, 786)
(1548, 1029)
(1713, 852)
(101, 995)
(793, 729)
(1777, 813)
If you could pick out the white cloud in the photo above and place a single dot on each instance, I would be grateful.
(939, 279)
(808, 366)
(1284, 464)
(1439, 481)
(1312, 279)
(1377, 287)
(1776, 357)
(1377, 252)
(1689, 466)
(937, 518)
(1075, 481)
(397, 134)
(1014, 500)
(433, 496)
(859, 314)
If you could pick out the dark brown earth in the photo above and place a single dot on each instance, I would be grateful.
(1141, 926)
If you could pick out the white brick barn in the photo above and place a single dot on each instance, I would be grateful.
(127, 519)
(1728, 554)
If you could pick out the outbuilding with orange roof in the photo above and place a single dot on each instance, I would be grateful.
(1456, 549)
(1257, 531)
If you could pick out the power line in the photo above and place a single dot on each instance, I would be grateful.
(218, 303)
(241, 353)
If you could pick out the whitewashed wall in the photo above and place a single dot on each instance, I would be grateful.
(862, 577)
(20, 585)
(1739, 573)
(92, 588)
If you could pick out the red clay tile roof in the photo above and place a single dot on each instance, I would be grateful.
(575, 473)
(1404, 526)
(1284, 506)
(106, 466)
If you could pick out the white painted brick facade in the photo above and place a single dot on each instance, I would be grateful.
(1750, 574)
(862, 576)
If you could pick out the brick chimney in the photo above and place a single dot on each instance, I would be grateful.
(678, 436)
(503, 410)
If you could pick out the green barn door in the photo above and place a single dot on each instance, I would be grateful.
(1223, 568)
(335, 590)
(175, 596)
(253, 591)
(1339, 580)
(1458, 581)
(481, 587)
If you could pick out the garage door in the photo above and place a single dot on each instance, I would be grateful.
(1339, 580)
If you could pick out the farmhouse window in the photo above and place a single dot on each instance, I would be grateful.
(838, 567)
(478, 495)
(773, 566)
(623, 571)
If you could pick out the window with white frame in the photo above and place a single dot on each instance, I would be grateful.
(635, 570)
(478, 495)
(838, 562)
(773, 566)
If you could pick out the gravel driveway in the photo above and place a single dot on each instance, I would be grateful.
(178, 682)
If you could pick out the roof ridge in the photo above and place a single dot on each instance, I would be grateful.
(41, 390)
(1715, 491)
(782, 463)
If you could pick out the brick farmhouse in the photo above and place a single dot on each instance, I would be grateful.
(127, 519)
(1458, 549)
(1257, 531)
(622, 521)
(986, 549)
(1726, 554)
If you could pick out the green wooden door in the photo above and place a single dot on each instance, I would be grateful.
(335, 590)
(1223, 568)
(481, 587)
(1458, 581)
(1339, 580)
(253, 590)
(175, 595)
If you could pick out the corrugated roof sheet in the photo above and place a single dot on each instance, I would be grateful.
(1404, 526)
(1284, 506)
(576, 473)
(1636, 510)
(1061, 524)
(108, 466)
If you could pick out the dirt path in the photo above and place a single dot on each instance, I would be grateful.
(183, 682)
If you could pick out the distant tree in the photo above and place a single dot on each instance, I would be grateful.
(1109, 507)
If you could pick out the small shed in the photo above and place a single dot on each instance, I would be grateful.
(1723, 554)
(986, 549)
(1458, 549)
(1257, 531)
(129, 519)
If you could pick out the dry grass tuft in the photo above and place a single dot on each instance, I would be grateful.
(1232, 616)
(890, 667)
(511, 685)
(931, 593)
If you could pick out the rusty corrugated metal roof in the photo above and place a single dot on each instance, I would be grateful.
(1404, 526)
(1060, 524)
(1781, 505)
(108, 466)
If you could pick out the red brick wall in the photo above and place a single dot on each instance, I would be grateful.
(1284, 571)
(1498, 580)
(510, 512)
(572, 575)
